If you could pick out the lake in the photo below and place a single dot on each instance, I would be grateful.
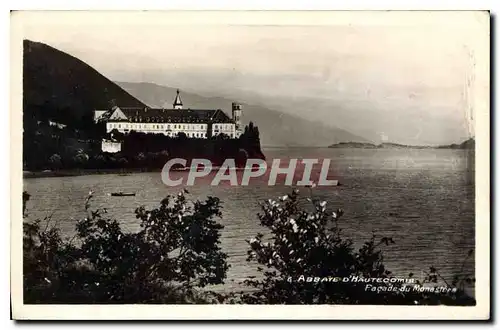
(423, 199)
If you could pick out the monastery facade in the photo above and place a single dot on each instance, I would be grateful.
(195, 123)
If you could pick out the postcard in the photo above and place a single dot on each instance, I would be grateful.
(237, 165)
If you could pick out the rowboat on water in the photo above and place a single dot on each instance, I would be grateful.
(120, 194)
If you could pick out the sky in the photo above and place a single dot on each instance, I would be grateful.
(403, 78)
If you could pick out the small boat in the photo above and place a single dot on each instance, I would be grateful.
(119, 194)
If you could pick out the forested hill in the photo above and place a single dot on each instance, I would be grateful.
(62, 88)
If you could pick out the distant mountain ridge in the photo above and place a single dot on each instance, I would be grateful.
(63, 88)
(468, 144)
(276, 128)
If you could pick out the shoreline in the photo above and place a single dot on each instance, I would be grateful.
(79, 172)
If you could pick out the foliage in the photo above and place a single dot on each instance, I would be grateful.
(176, 252)
(251, 140)
(55, 161)
(81, 157)
(306, 251)
(51, 147)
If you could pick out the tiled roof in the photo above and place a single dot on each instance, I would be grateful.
(175, 116)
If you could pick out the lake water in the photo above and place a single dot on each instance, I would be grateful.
(423, 199)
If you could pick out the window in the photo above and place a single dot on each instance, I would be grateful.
(119, 126)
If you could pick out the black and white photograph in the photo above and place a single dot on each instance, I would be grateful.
(250, 165)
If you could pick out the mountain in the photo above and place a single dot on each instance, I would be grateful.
(359, 145)
(468, 144)
(276, 128)
(60, 87)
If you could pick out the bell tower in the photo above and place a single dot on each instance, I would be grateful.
(177, 101)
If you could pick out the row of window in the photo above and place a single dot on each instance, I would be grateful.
(193, 135)
(155, 126)
(188, 134)
(225, 127)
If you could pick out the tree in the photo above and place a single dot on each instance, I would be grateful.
(181, 136)
(81, 158)
(116, 135)
(305, 260)
(222, 136)
(176, 251)
(123, 162)
(55, 161)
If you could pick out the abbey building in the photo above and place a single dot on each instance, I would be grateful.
(195, 123)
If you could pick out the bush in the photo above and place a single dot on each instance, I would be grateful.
(176, 251)
(55, 161)
(306, 251)
(81, 158)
